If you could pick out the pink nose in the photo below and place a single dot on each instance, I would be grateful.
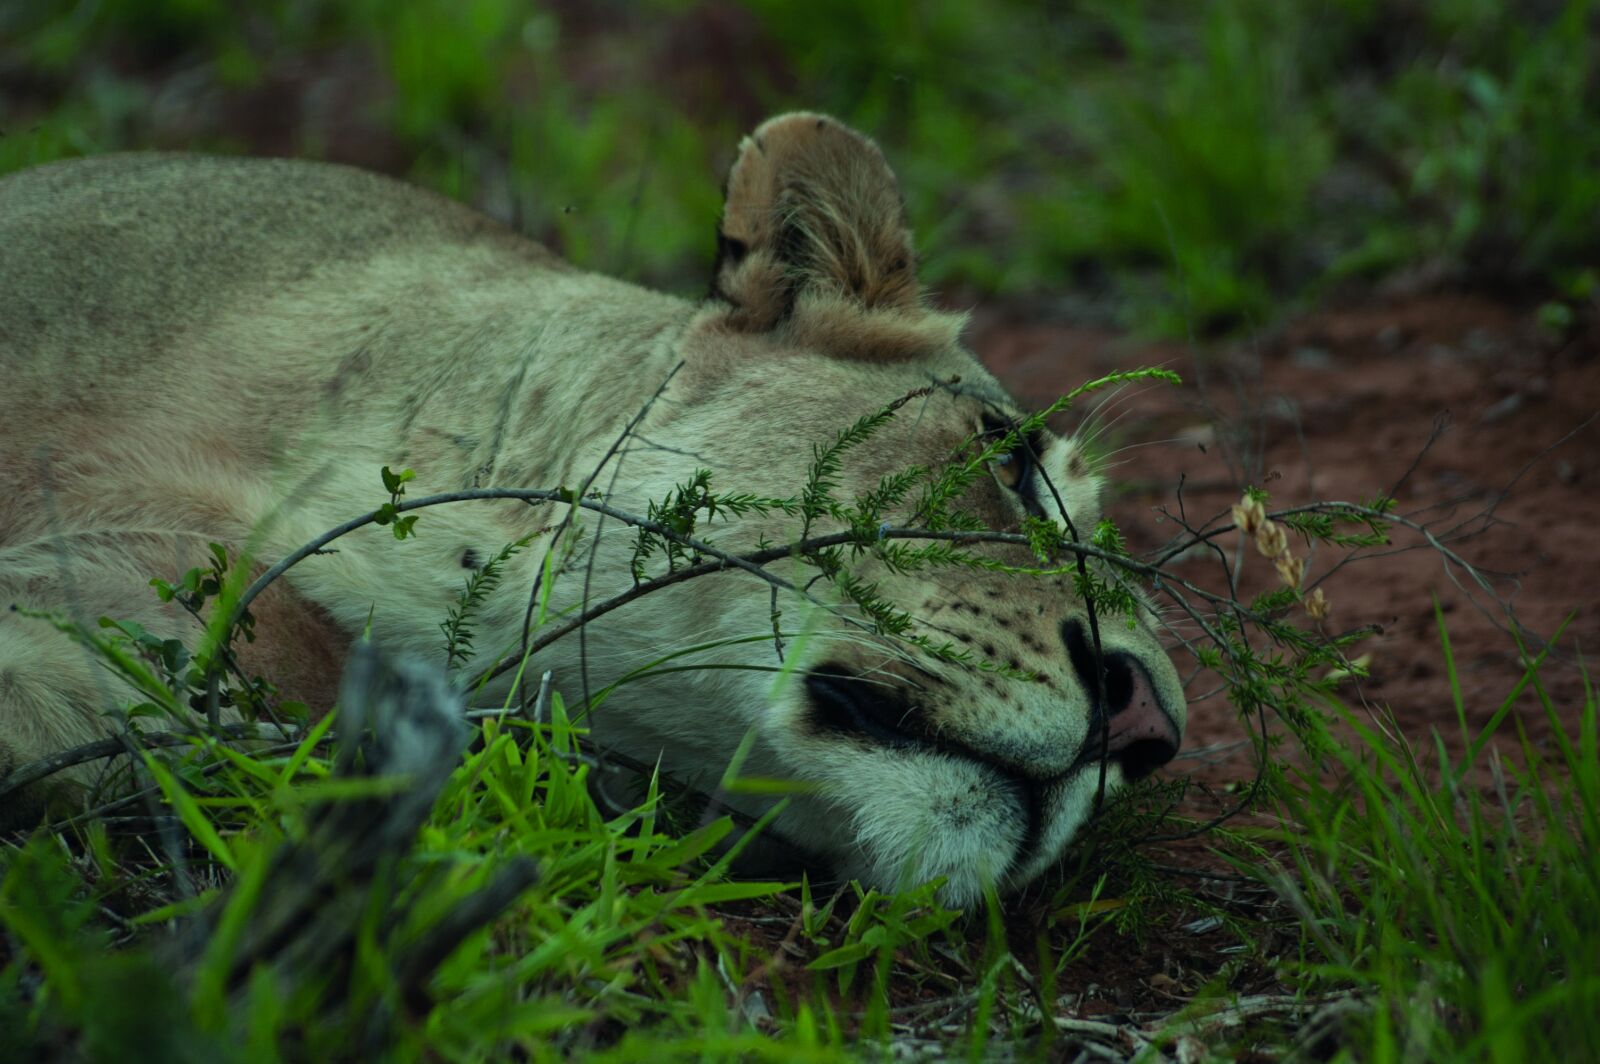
(1141, 735)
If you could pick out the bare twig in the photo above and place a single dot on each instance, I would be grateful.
(116, 745)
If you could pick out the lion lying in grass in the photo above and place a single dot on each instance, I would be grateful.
(201, 350)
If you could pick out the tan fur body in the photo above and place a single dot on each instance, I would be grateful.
(197, 349)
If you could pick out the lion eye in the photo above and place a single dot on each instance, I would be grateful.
(1011, 470)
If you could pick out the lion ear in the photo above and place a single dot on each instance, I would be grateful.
(812, 206)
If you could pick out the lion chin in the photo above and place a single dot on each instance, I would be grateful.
(210, 350)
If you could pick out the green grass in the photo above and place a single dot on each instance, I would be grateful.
(615, 932)
(1185, 168)
(1464, 916)
(1460, 917)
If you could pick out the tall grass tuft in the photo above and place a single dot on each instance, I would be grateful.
(1459, 896)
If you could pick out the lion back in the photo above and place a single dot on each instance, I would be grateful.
(104, 260)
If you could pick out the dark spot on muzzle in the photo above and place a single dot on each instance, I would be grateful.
(853, 705)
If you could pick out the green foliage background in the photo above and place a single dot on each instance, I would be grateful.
(1172, 166)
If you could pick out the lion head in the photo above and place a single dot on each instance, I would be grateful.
(973, 745)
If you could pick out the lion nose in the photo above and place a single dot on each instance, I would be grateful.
(1140, 735)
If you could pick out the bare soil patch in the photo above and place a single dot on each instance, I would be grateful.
(1457, 405)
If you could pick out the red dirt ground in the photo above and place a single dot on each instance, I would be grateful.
(1338, 405)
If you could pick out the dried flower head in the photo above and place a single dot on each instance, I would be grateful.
(1248, 514)
(1271, 540)
(1317, 605)
(1291, 570)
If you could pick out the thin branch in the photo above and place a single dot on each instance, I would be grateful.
(582, 493)
(115, 745)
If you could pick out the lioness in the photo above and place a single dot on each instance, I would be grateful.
(208, 349)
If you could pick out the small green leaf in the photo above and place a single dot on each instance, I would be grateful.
(850, 953)
(392, 480)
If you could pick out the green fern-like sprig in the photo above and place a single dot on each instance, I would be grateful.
(680, 513)
(458, 626)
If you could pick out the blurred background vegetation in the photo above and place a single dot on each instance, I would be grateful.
(1172, 166)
